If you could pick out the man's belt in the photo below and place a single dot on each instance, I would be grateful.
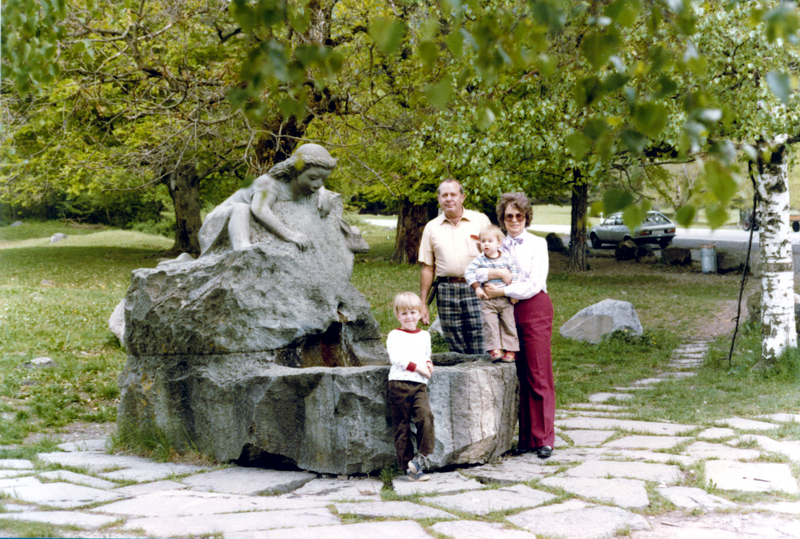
(437, 281)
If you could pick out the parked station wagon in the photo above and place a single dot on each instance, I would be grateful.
(656, 228)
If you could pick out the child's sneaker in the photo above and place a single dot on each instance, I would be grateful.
(418, 476)
(496, 355)
(416, 468)
(509, 357)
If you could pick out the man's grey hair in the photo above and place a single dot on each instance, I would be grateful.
(449, 180)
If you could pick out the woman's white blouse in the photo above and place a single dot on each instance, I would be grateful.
(531, 257)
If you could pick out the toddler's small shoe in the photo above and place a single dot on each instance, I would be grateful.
(496, 355)
(509, 357)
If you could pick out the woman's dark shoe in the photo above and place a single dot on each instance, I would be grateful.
(545, 451)
(522, 451)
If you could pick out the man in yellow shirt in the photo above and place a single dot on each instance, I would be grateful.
(445, 252)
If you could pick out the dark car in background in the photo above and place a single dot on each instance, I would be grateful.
(656, 228)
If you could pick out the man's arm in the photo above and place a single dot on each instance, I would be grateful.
(425, 283)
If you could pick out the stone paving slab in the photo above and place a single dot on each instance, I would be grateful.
(250, 481)
(16, 464)
(18, 507)
(404, 529)
(440, 483)
(98, 444)
(93, 461)
(482, 502)
(598, 423)
(338, 489)
(746, 424)
(647, 382)
(716, 433)
(660, 473)
(230, 524)
(629, 493)
(13, 473)
(168, 503)
(566, 455)
(647, 442)
(751, 477)
(61, 495)
(509, 471)
(147, 488)
(789, 449)
(153, 471)
(604, 453)
(705, 450)
(63, 518)
(588, 438)
(694, 498)
(78, 479)
(676, 375)
(470, 529)
(599, 398)
(9, 484)
(721, 526)
(782, 418)
(598, 522)
(582, 406)
(591, 414)
(407, 510)
(791, 508)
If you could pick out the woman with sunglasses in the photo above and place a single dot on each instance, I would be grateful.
(533, 314)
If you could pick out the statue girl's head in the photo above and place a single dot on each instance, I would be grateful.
(305, 157)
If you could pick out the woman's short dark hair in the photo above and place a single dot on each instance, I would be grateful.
(519, 201)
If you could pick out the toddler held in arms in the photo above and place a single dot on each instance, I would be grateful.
(496, 267)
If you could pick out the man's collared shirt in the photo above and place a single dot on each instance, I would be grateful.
(449, 249)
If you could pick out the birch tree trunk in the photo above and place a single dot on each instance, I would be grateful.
(777, 283)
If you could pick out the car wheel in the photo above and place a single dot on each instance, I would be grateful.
(796, 226)
(596, 243)
(664, 243)
(746, 224)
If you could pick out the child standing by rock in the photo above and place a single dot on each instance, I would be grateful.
(499, 327)
(410, 353)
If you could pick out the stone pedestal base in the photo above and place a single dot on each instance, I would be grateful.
(328, 420)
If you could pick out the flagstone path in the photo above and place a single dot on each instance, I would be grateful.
(605, 472)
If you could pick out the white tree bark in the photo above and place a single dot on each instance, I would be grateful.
(777, 283)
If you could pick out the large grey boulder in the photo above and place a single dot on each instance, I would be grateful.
(734, 261)
(329, 420)
(625, 250)
(594, 322)
(116, 322)
(676, 256)
(645, 254)
(291, 306)
(554, 243)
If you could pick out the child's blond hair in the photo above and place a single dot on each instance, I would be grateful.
(492, 229)
(405, 301)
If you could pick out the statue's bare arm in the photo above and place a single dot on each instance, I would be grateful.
(261, 207)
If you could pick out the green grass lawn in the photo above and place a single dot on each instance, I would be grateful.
(55, 300)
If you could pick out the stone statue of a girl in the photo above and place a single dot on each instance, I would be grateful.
(300, 177)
